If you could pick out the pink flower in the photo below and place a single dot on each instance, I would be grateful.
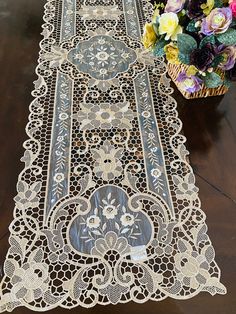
(174, 6)
(233, 7)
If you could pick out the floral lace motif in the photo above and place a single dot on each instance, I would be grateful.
(105, 116)
(107, 210)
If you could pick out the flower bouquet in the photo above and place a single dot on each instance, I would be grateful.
(198, 39)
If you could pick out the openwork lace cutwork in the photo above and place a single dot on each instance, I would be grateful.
(107, 210)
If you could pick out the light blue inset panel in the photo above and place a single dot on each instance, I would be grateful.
(102, 57)
(131, 19)
(153, 151)
(68, 23)
(58, 182)
(58, 171)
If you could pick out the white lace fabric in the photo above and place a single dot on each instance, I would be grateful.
(107, 210)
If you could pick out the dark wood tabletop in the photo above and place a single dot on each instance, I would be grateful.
(209, 125)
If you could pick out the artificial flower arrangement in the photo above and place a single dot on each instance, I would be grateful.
(198, 39)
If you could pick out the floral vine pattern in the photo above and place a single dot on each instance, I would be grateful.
(107, 210)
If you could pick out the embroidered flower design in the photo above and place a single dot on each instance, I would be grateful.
(27, 196)
(127, 220)
(59, 177)
(105, 116)
(156, 173)
(110, 211)
(186, 189)
(93, 221)
(151, 136)
(102, 57)
(107, 163)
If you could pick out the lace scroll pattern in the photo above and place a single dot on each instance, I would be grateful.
(107, 210)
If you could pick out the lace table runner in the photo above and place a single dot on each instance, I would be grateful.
(107, 210)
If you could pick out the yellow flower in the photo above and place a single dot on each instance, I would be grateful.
(192, 70)
(208, 6)
(169, 25)
(172, 53)
(149, 36)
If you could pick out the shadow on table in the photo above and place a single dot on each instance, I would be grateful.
(201, 119)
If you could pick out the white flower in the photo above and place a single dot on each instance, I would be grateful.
(107, 164)
(151, 136)
(59, 177)
(93, 221)
(186, 189)
(27, 195)
(30, 280)
(127, 220)
(110, 211)
(169, 25)
(156, 173)
(192, 267)
(102, 56)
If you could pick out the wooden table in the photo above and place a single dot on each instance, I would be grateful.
(210, 128)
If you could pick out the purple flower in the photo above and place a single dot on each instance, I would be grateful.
(229, 54)
(217, 22)
(202, 58)
(190, 84)
(174, 6)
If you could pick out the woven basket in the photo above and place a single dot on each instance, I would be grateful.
(175, 69)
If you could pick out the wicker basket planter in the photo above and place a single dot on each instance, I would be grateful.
(174, 70)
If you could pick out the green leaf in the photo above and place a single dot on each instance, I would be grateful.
(184, 58)
(218, 4)
(156, 28)
(186, 44)
(228, 38)
(208, 39)
(158, 50)
(218, 59)
(212, 80)
(191, 27)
